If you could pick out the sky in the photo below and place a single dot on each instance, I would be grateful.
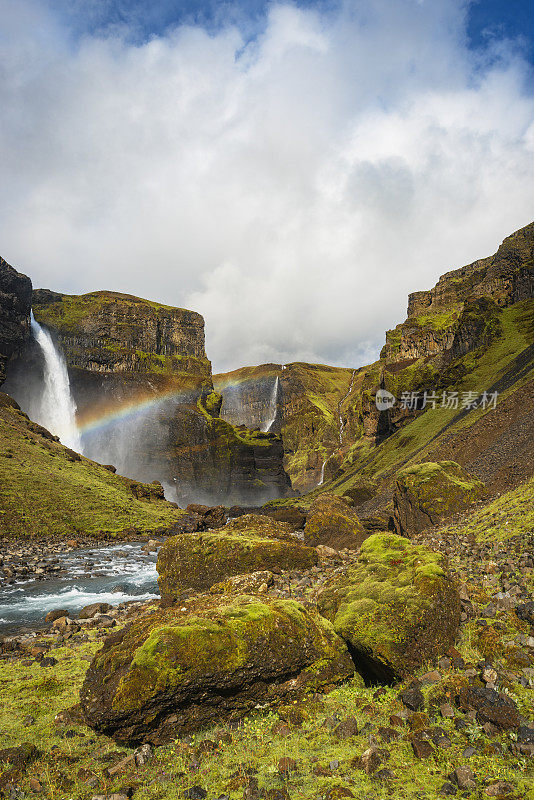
(289, 170)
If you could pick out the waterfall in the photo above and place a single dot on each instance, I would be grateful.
(57, 409)
(321, 479)
(273, 406)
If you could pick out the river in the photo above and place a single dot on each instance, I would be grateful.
(110, 574)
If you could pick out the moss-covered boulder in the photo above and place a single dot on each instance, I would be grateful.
(396, 607)
(332, 522)
(428, 493)
(174, 671)
(199, 560)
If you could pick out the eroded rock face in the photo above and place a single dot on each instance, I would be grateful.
(333, 523)
(397, 608)
(428, 493)
(199, 560)
(15, 307)
(172, 672)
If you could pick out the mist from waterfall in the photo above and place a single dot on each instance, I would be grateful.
(55, 408)
(273, 406)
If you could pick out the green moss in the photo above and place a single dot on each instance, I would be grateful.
(199, 560)
(44, 492)
(215, 647)
(333, 523)
(439, 320)
(438, 489)
(396, 606)
(508, 516)
(71, 311)
(227, 755)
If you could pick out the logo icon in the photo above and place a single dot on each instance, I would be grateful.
(384, 400)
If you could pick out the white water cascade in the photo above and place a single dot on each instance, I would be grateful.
(273, 406)
(57, 409)
(321, 479)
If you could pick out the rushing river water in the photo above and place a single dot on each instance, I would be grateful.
(111, 575)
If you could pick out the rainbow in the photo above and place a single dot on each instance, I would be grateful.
(97, 421)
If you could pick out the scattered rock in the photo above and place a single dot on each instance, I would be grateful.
(412, 696)
(253, 583)
(371, 760)
(422, 748)
(491, 706)
(346, 728)
(57, 613)
(464, 778)
(90, 611)
(500, 790)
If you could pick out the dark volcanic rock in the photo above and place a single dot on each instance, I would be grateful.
(491, 706)
(172, 672)
(15, 307)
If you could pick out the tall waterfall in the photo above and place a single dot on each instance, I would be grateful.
(273, 406)
(56, 410)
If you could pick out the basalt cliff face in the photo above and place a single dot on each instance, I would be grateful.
(15, 306)
(140, 378)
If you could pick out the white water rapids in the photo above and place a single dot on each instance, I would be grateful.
(57, 409)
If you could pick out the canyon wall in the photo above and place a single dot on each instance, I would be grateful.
(140, 378)
(328, 416)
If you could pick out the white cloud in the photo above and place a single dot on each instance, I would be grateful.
(293, 189)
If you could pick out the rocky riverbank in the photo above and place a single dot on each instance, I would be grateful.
(459, 725)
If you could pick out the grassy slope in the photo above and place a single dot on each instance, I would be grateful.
(44, 492)
(510, 515)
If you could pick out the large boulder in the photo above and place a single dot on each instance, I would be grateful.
(199, 560)
(332, 522)
(428, 493)
(397, 607)
(174, 671)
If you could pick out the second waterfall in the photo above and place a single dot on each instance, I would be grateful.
(57, 409)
